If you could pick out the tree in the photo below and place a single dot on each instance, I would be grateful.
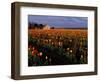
(41, 26)
(30, 25)
(52, 27)
(36, 25)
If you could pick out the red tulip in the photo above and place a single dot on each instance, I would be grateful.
(34, 52)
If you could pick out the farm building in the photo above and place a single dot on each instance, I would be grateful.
(46, 27)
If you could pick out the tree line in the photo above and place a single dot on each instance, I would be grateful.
(37, 26)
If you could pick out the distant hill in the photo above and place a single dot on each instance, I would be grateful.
(72, 28)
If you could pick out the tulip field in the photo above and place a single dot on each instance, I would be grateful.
(57, 47)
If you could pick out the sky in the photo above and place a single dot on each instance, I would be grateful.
(59, 21)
